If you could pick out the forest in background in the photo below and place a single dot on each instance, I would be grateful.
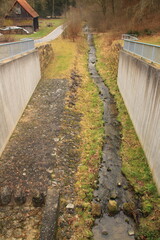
(43, 7)
(101, 14)
(122, 15)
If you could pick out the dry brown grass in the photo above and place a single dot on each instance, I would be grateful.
(7, 38)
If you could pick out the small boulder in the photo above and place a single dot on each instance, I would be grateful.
(112, 207)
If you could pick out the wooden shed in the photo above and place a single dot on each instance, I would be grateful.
(23, 15)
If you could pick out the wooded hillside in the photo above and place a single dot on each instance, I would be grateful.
(124, 14)
(101, 14)
(43, 7)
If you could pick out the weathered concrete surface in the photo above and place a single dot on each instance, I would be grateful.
(30, 155)
(50, 215)
(18, 78)
(42, 152)
(29, 164)
(139, 84)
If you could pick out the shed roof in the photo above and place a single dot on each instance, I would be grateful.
(27, 7)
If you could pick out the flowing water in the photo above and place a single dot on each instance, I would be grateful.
(112, 184)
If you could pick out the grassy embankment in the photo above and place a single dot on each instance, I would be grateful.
(152, 39)
(90, 106)
(135, 165)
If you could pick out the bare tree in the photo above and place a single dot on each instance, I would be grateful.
(103, 5)
(52, 8)
(113, 7)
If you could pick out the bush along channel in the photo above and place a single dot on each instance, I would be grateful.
(114, 204)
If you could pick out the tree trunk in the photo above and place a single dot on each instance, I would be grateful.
(113, 7)
(52, 8)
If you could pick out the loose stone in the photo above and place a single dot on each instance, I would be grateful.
(70, 206)
(131, 233)
(49, 170)
(112, 207)
(56, 139)
(19, 197)
(119, 184)
(5, 196)
(109, 169)
(104, 232)
(38, 199)
(113, 194)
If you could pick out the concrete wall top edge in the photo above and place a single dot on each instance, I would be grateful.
(8, 60)
(137, 58)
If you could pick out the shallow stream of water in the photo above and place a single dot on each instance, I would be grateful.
(112, 184)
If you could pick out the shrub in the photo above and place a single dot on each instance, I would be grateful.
(134, 32)
(147, 32)
(74, 26)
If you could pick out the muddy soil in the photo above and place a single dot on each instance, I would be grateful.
(41, 152)
(113, 191)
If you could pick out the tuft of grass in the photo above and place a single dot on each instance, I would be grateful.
(135, 166)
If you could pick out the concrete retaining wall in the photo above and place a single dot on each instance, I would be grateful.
(139, 84)
(18, 78)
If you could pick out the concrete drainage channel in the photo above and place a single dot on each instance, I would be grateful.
(113, 205)
(50, 215)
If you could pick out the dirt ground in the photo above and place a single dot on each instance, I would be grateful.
(42, 151)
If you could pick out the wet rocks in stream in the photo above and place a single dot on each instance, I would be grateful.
(110, 194)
